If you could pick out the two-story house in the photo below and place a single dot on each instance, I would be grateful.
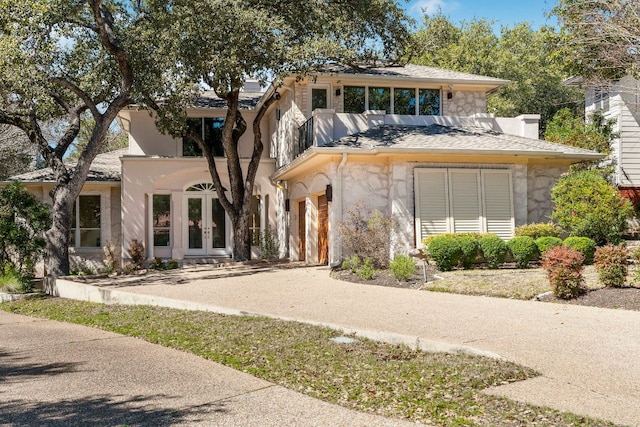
(413, 142)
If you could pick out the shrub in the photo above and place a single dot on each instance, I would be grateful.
(268, 244)
(352, 263)
(536, 230)
(611, 265)
(587, 205)
(546, 243)
(136, 252)
(584, 245)
(494, 250)
(402, 267)
(157, 264)
(564, 271)
(366, 270)
(110, 258)
(172, 264)
(367, 233)
(11, 282)
(469, 248)
(444, 251)
(523, 249)
(23, 221)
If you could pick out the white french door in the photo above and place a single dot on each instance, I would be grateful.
(207, 227)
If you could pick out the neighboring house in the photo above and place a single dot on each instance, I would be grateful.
(413, 142)
(619, 101)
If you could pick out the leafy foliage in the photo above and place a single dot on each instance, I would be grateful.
(268, 244)
(16, 156)
(445, 251)
(536, 230)
(23, 220)
(597, 134)
(351, 263)
(611, 265)
(584, 245)
(546, 243)
(402, 267)
(137, 254)
(469, 247)
(366, 232)
(523, 249)
(110, 258)
(564, 271)
(520, 54)
(587, 205)
(366, 270)
(494, 250)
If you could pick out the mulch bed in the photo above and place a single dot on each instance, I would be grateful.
(627, 298)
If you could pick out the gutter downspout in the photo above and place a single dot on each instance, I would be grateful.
(338, 201)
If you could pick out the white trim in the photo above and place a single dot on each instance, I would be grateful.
(310, 88)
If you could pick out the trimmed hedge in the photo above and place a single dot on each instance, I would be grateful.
(523, 250)
(564, 271)
(535, 230)
(584, 245)
(611, 265)
(546, 243)
(493, 249)
(445, 251)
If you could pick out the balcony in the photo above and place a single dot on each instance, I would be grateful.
(326, 126)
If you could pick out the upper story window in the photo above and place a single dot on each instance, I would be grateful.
(319, 98)
(380, 98)
(406, 101)
(85, 225)
(601, 98)
(210, 128)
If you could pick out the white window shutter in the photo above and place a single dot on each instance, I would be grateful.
(464, 192)
(432, 210)
(498, 203)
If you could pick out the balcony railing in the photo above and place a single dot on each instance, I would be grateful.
(306, 137)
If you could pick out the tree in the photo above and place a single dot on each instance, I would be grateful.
(266, 40)
(16, 156)
(587, 205)
(115, 139)
(599, 40)
(61, 59)
(23, 219)
(596, 134)
(519, 54)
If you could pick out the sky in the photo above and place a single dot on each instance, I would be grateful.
(504, 12)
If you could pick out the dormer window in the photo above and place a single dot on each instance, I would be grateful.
(406, 101)
(210, 129)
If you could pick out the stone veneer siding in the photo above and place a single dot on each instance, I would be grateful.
(463, 103)
(540, 181)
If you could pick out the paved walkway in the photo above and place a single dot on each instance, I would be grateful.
(589, 358)
(59, 374)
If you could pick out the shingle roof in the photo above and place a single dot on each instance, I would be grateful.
(412, 71)
(437, 137)
(209, 99)
(105, 167)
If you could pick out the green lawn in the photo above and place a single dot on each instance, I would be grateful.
(434, 388)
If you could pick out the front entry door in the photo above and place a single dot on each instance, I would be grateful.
(323, 230)
(206, 226)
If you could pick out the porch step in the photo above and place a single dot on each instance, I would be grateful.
(217, 262)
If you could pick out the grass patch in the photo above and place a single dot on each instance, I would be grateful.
(505, 283)
(434, 388)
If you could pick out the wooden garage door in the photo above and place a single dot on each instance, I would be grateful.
(323, 230)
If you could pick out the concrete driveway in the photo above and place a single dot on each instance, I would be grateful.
(588, 357)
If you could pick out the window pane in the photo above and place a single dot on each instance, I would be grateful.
(218, 225)
(429, 102)
(89, 211)
(90, 238)
(161, 237)
(318, 98)
(353, 99)
(190, 147)
(404, 101)
(161, 210)
(213, 134)
(254, 221)
(380, 98)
